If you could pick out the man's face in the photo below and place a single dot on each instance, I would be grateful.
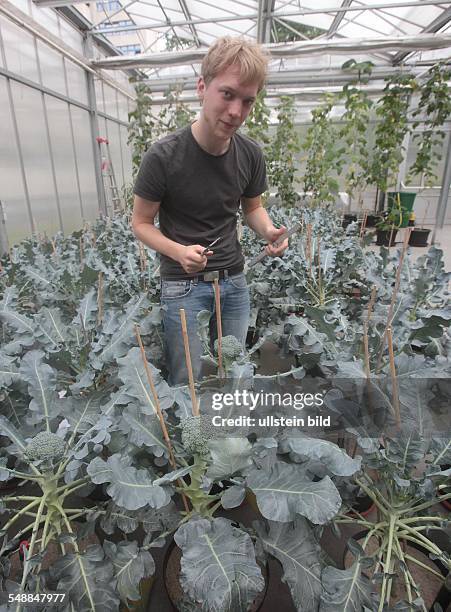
(226, 102)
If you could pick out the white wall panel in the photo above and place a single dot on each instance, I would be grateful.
(33, 139)
(12, 192)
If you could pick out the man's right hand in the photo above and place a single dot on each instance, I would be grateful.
(193, 258)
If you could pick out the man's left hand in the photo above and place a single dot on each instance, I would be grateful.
(273, 235)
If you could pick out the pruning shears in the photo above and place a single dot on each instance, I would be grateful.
(205, 251)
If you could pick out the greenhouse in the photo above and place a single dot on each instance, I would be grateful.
(225, 256)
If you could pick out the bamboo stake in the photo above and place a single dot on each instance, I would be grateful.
(141, 260)
(164, 429)
(395, 293)
(318, 251)
(189, 367)
(363, 226)
(309, 247)
(219, 326)
(81, 250)
(100, 299)
(393, 377)
(371, 304)
(366, 349)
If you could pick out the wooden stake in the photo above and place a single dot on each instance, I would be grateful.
(219, 326)
(393, 378)
(366, 349)
(363, 226)
(318, 251)
(81, 250)
(188, 363)
(309, 247)
(394, 294)
(100, 299)
(371, 304)
(164, 429)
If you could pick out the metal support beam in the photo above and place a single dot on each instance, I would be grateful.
(189, 18)
(4, 242)
(57, 3)
(94, 125)
(444, 194)
(296, 49)
(152, 25)
(288, 78)
(264, 19)
(435, 26)
(337, 20)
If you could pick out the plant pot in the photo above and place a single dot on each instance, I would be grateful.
(419, 237)
(383, 237)
(171, 573)
(406, 199)
(348, 218)
(371, 220)
(432, 593)
(363, 505)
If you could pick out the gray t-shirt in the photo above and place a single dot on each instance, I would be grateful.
(200, 194)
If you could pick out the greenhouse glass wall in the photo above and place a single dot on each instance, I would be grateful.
(225, 350)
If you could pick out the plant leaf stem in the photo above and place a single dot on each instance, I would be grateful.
(22, 475)
(377, 500)
(432, 502)
(387, 564)
(20, 513)
(78, 554)
(423, 540)
(29, 553)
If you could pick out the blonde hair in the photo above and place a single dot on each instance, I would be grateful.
(251, 58)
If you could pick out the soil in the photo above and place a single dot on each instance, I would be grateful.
(428, 583)
(175, 592)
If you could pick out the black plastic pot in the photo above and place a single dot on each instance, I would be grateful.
(348, 218)
(419, 237)
(442, 597)
(383, 237)
(371, 220)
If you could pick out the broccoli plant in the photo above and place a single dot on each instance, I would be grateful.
(53, 442)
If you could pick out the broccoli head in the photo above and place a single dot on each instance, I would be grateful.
(45, 446)
(231, 349)
(196, 432)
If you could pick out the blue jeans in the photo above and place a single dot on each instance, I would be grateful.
(195, 296)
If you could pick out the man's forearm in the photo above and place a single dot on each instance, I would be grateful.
(260, 222)
(153, 238)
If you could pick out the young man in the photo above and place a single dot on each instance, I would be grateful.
(195, 179)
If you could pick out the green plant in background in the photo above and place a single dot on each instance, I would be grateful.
(354, 132)
(141, 125)
(393, 218)
(324, 156)
(391, 129)
(145, 127)
(434, 108)
(174, 113)
(257, 124)
(281, 152)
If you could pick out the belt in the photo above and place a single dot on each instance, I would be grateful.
(210, 276)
